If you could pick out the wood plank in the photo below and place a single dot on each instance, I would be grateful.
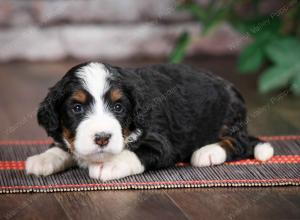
(271, 123)
(31, 206)
(119, 205)
(239, 203)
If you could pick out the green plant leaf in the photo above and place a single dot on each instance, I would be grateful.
(249, 24)
(284, 51)
(275, 78)
(251, 58)
(179, 51)
(263, 25)
(295, 87)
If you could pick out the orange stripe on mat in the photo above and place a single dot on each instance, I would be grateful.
(49, 141)
(283, 159)
(26, 142)
(274, 159)
(12, 165)
(280, 138)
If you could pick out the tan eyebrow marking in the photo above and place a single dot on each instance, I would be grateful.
(115, 94)
(80, 96)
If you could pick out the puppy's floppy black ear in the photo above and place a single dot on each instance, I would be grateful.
(48, 115)
(139, 98)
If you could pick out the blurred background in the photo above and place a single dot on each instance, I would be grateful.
(254, 44)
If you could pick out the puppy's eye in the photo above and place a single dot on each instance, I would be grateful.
(118, 108)
(77, 108)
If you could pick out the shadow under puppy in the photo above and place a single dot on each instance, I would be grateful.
(121, 121)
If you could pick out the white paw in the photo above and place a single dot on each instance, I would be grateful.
(52, 161)
(208, 155)
(263, 151)
(109, 170)
(124, 164)
(95, 170)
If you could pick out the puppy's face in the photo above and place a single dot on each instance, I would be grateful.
(88, 111)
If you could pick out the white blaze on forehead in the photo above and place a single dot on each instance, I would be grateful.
(95, 76)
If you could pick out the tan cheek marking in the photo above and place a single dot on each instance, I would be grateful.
(69, 137)
(79, 96)
(115, 94)
(126, 132)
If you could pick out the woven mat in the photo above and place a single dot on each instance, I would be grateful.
(282, 170)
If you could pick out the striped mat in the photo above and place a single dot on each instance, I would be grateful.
(282, 170)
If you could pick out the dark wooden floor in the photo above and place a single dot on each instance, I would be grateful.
(23, 85)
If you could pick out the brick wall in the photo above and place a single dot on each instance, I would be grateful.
(105, 29)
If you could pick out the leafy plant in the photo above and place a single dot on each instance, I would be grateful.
(179, 52)
(275, 40)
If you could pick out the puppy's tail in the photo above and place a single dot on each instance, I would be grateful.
(263, 151)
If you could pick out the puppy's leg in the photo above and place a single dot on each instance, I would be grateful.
(232, 148)
(234, 141)
(51, 161)
(121, 165)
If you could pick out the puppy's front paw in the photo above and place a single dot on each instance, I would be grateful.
(49, 162)
(39, 165)
(208, 155)
(108, 171)
(124, 164)
(114, 170)
(95, 170)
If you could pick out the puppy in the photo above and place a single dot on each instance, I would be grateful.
(121, 121)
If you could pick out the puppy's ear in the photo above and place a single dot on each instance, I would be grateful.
(139, 99)
(48, 115)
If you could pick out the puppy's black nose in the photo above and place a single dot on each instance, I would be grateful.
(102, 139)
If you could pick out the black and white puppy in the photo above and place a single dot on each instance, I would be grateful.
(120, 121)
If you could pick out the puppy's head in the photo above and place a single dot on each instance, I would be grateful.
(88, 111)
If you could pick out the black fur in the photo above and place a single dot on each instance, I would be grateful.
(179, 109)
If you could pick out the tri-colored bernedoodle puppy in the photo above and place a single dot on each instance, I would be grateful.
(121, 121)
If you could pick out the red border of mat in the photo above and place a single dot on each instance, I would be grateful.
(49, 141)
(20, 165)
